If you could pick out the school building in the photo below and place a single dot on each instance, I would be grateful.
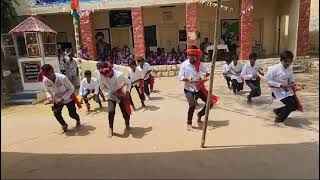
(265, 27)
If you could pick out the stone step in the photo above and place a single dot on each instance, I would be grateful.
(23, 95)
(19, 102)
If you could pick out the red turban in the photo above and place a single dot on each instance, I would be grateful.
(44, 73)
(198, 53)
(106, 70)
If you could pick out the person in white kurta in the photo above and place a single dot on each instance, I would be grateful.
(89, 85)
(226, 72)
(249, 73)
(146, 72)
(59, 90)
(280, 79)
(235, 69)
(136, 76)
(111, 81)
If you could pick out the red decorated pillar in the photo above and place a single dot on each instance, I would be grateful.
(246, 29)
(192, 24)
(87, 34)
(138, 32)
(303, 28)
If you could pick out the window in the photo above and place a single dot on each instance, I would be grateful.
(32, 44)
(21, 45)
(8, 45)
(49, 44)
(150, 35)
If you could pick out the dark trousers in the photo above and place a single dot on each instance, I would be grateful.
(255, 88)
(141, 96)
(57, 109)
(191, 98)
(228, 79)
(146, 86)
(283, 112)
(112, 111)
(236, 86)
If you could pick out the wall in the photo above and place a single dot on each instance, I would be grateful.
(61, 23)
(266, 10)
(293, 26)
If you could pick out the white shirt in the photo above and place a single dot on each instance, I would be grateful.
(226, 70)
(248, 71)
(188, 71)
(278, 75)
(235, 71)
(93, 85)
(97, 73)
(145, 69)
(61, 88)
(111, 85)
(135, 75)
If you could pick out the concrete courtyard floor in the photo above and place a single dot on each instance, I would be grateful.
(241, 142)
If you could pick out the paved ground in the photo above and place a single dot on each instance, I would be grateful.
(242, 141)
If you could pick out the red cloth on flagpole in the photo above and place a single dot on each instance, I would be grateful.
(74, 4)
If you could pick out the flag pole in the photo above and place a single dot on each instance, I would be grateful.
(213, 63)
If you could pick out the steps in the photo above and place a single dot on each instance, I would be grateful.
(22, 98)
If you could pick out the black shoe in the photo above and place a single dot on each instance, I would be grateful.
(276, 112)
(65, 127)
(78, 124)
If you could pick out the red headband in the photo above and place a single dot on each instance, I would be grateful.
(106, 70)
(197, 53)
(194, 52)
(44, 73)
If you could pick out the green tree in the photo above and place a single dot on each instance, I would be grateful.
(8, 14)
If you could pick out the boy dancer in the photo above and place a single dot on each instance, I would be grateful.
(226, 72)
(235, 69)
(136, 79)
(190, 72)
(89, 85)
(280, 79)
(59, 91)
(250, 74)
(146, 72)
(118, 86)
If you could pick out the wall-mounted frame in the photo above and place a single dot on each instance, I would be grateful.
(106, 33)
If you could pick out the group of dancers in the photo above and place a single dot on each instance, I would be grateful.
(118, 86)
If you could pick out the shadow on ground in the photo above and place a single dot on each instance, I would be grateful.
(297, 161)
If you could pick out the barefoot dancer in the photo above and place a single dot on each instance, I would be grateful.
(118, 86)
(250, 74)
(146, 71)
(235, 69)
(280, 79)
(226, 72)
(136, 79)
(89, 85)
(59, 91)
(190, 72)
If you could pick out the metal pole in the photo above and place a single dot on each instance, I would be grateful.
(213, 63)
(77, 38)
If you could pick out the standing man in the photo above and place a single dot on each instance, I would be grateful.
(146, 73)
(235, 69)
(118, 86)
(89, 85)
(59, 91)
(136, 79)
(71, 67)
(191, 72)
(250, 74)
(280, 79)
(103, 48)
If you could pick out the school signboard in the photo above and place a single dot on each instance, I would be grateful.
(30, 71)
